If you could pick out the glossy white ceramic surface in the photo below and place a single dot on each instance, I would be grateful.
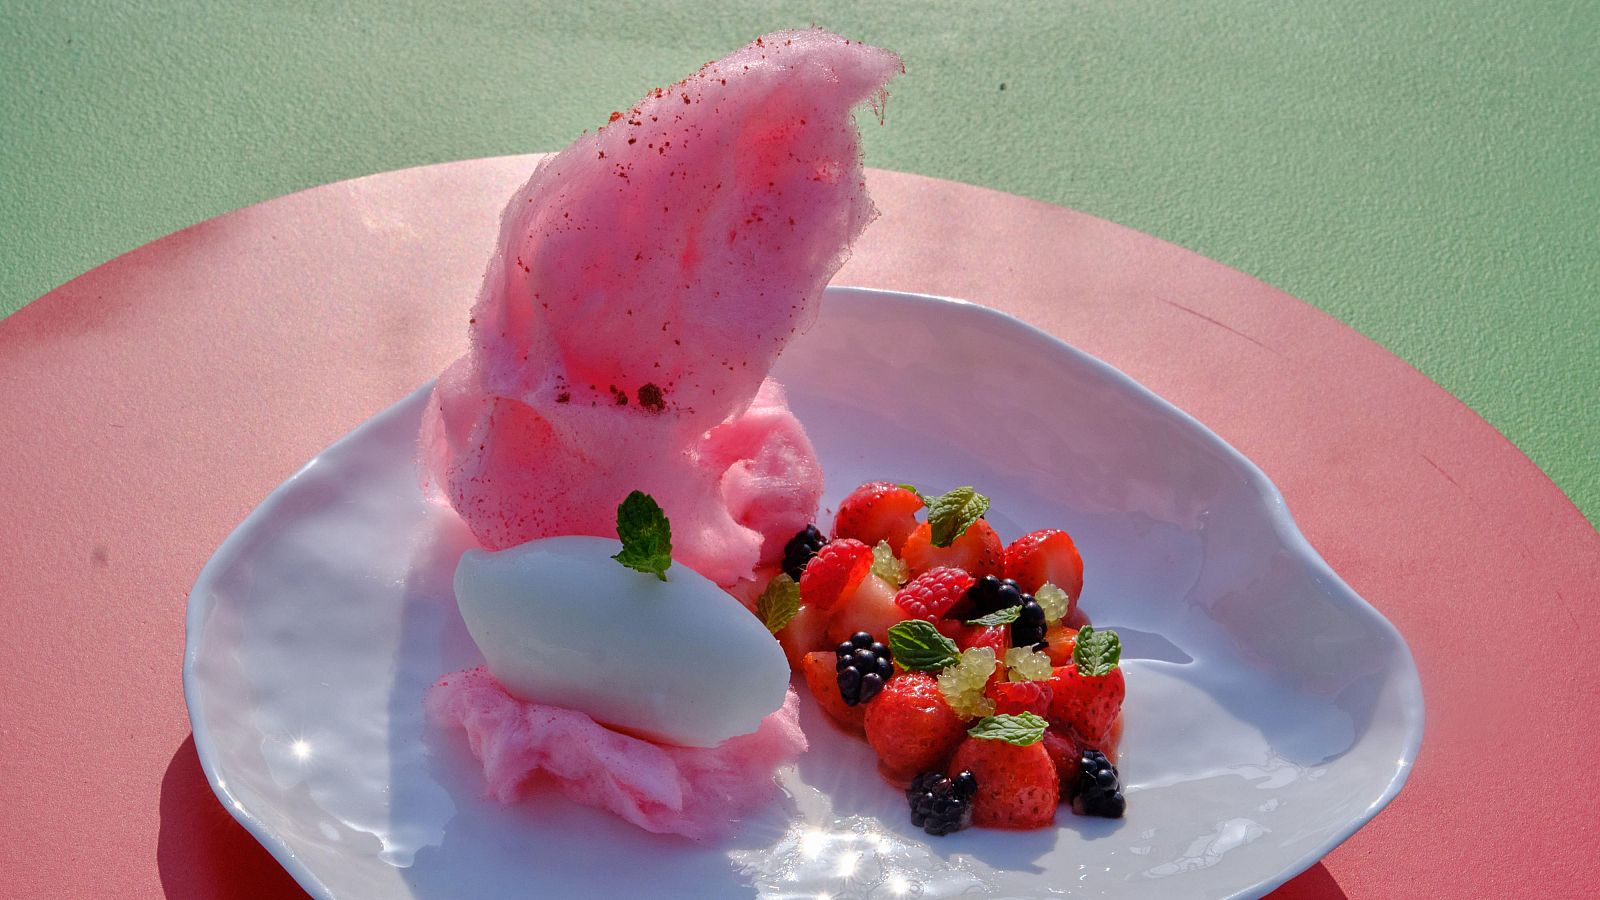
(1270, 710)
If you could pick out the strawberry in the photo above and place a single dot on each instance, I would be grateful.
(870, 607)
(933, 593)
(1013, 697)
(821, 673)
(878, 511)
(1045, 555)
(1017, 786)
(834, 572)
(977, 550)
(1060, 641)
(807, 631)
(911, 727)
(1087, 693)
(1064, 752)
(995, 637)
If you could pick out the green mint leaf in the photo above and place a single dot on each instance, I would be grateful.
(951, 514)
(887, 566)
(1096, 652)
(778, 604)
(1003, 617)
(1019, 730)
(645, 534)
(919, 647)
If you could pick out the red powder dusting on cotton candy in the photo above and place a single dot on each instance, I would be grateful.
(669, 258)
(695, 792)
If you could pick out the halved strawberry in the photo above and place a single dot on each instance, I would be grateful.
(1064, 752)
(995, 637)
(1060, 641)
(911, 727)
(870, 607)
(977, 550)
(822, 677)
(878, 511)
(1017, 786)
(1046, 555)
(1088, 692)
(834, 572)
(807, 631)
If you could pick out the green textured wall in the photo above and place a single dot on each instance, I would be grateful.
(1429, 174)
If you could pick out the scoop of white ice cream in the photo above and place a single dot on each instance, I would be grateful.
(561, 622)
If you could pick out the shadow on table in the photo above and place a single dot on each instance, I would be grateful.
(202, 851)
(1315, 883)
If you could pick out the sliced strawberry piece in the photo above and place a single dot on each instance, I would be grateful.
(1017, 786)
(934, 593)
(1046, 555)
(1060, 640)
(978, 551)
(822, 674)
(1064, 752)
(878, 511)
(911, 727)
(835, 571)
(807, 631)
(995, 637)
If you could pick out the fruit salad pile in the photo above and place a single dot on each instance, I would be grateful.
(964, 662)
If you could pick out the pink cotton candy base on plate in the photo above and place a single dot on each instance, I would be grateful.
(692, 791)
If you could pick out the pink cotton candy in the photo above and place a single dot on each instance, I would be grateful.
(647, 278)
(694, 792)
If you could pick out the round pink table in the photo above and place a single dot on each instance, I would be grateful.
(148, 405)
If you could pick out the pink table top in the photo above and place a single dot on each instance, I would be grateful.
(151, 403)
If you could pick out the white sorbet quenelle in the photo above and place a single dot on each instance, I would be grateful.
(559, 621)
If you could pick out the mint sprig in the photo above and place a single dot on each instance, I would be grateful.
(779, 603)
(646, 535)
(1019, 730)
(1003, 617)
(951, 514)
(1096, 652)
(919, 647)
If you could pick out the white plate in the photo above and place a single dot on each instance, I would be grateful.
(1270, 713)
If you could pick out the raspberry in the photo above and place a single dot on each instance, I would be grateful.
(963, 683)
(1017, 697)
(800, 549)
(940, 805)
(863, 666)
(835, 571)
(933, 593)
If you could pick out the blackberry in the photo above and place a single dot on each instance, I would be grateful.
(1099, 793)
(940, 805)
(800, 549)
(1029, 627)
(863, 666)
(990, 594)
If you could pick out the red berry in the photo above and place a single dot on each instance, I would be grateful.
(1064, 752)
(878, 511)
(995, 637)
(1059, 640)
(1087, 704)
(911, 727)
(1046, 555)
(933, 593)
(978, 550)
(1016, 697)
(834, 572)
(1017, 786)
(822, 676)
